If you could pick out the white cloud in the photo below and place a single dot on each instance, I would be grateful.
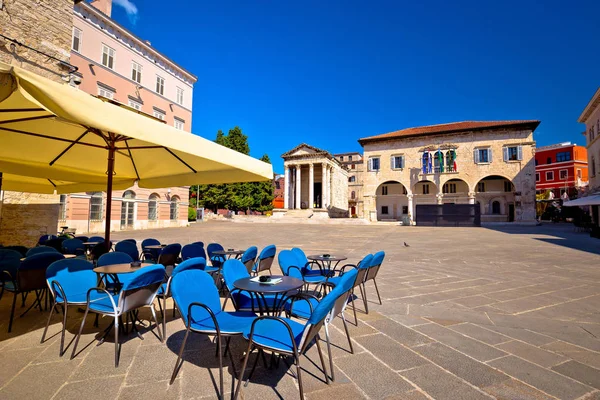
(130, 9)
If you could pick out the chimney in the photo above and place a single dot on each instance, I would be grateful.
(104, 6)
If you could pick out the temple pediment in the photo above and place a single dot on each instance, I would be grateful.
(304, 150)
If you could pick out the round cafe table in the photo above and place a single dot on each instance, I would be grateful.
(66, 256)
(114, 269)
(326, 260)
(156, 246)
(229, 253)
(286, 285)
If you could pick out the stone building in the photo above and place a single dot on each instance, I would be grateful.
(44, 25)
(591, 118)
(485, 163)
(314, 181)
(353, 162)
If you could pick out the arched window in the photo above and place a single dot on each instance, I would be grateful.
(353, 195)
(96, 204)
(174, 208)
(129, 195)
(495, 207)
(438, 161)
(128, 209)
(450, 161)
(153, 207)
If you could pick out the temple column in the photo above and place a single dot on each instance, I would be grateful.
(286, 188)
(471, 197)
(411, 211)
(298, 187)
(327, 187)
(311, 184)
(323, 185)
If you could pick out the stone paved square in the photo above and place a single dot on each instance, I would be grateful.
(482, 313)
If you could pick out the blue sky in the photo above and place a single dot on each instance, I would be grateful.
(330, 72)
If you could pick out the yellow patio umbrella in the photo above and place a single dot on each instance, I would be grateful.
(55, 132)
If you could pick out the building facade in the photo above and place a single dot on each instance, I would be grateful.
(315, 181)
(561, 168)
(486, 163)
(278, 185)
(591, 118)
(116, 65)
(44, 25)
(353, 162)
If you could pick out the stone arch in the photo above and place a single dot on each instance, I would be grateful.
(494, 187)
(496, 194)
(462, 186)
(391, 200)
(417, 188)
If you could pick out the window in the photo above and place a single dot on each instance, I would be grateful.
(178, 123)
(537, 176)
(549, 160)
(62, 208)
(105, 92)
(384, 190)
(108, 56)
(160, 85)
(77, 36)
(578, 174)
(136, 72)
(483, 156)
(593, 165)
(563, 174)
(404, 210)
(549, 175)
(449, 188)
(563, 156)
(179, 96)
(174, 209)
(153, 208)
(426, 188)
(508, 186)
(397, 162)
(536, 162)
(513, 153)
(496, 207)
(352, 179)
(341, 158)
(349, 158)
(353, 195)
(135, 104)
(277, 185)
(373, 164)
(159, 114)
(450, 161)
(353, 166)
(404, 192)
(481, 187)
(384, 210)
(96, 204)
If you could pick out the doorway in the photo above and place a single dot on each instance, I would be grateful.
(511, 213)
(317, 194)
(127, 210)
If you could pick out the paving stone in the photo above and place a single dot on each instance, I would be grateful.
(443, 322)
(152, 363)
(575, 352)
(152, 390)
(581, 372)
(38, 381)
(543, 379)
(408, 320)
(473, 348)
(391, 352)
(441, 385)
(474, 301)
(400, 333)
(481, 334)
(522, 335)
(373, 377)
(347, 391)
(14, 361)
(532, 353)
(513, 389)
(91, 389)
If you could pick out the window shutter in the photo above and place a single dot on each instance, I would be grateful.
(519, 153)
(476, 156)
(505, 153)
(402, 162)
(489, 155)
(370, 164)
(392, 163)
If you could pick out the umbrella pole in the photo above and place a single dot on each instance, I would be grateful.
(109, 185)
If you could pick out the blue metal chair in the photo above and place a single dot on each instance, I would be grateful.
(249, 257)
(128, 247)
(96, 239)
(139, 292)
(192, 251)
(40, 249)
(21, 249)
(197, 299)
(84, 239)
(68, 280)
(31, 277)
(233, 270)
(10, 260)
(73, 246)
(169, 256)
(288, 337)
(265, 260)
(44, 238)
(99, 249)
(201, 244)
(310, 267)
(215, 260)
(372, 274)
(129, 240)
(362, 270)
(115, 282)
(292, 266)
(165, 289)
(150, 254)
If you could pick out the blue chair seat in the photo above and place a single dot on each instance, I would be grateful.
(334, 281)
(317, 272)
(301, 308)
(100, 302)
(314, 278)
(75, 298)
(274, 335)
(230, 323)
(8, 285)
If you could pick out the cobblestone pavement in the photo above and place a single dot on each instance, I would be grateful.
(468, 313)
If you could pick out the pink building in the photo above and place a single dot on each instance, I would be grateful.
(115, 64)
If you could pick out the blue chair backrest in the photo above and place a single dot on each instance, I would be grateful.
(172, 249)
(9, 261)
(378, 258)
(287, 259)
(73, 246)
(192, 251)
(190, 263)
(150, 242)
(146, 276)
(74, 276)
(249, 254)
(40, 249)
(96, 239)
(201, 244)
(40, 260)
(31, 274)
(212, 247)
(267, 252)
(129, 240)
(83, 238)
(326, 304)
(195, 286)
(232, 271)
(300, 256)
(115, 257)
(44, 238)
(141, 287)
(21, 249)
(128, 248)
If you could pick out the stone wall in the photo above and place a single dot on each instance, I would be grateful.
(339, 192)
(45, 25)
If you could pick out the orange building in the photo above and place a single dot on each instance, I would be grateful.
(561, 168)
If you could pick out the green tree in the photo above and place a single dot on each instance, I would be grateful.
(263, 193)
